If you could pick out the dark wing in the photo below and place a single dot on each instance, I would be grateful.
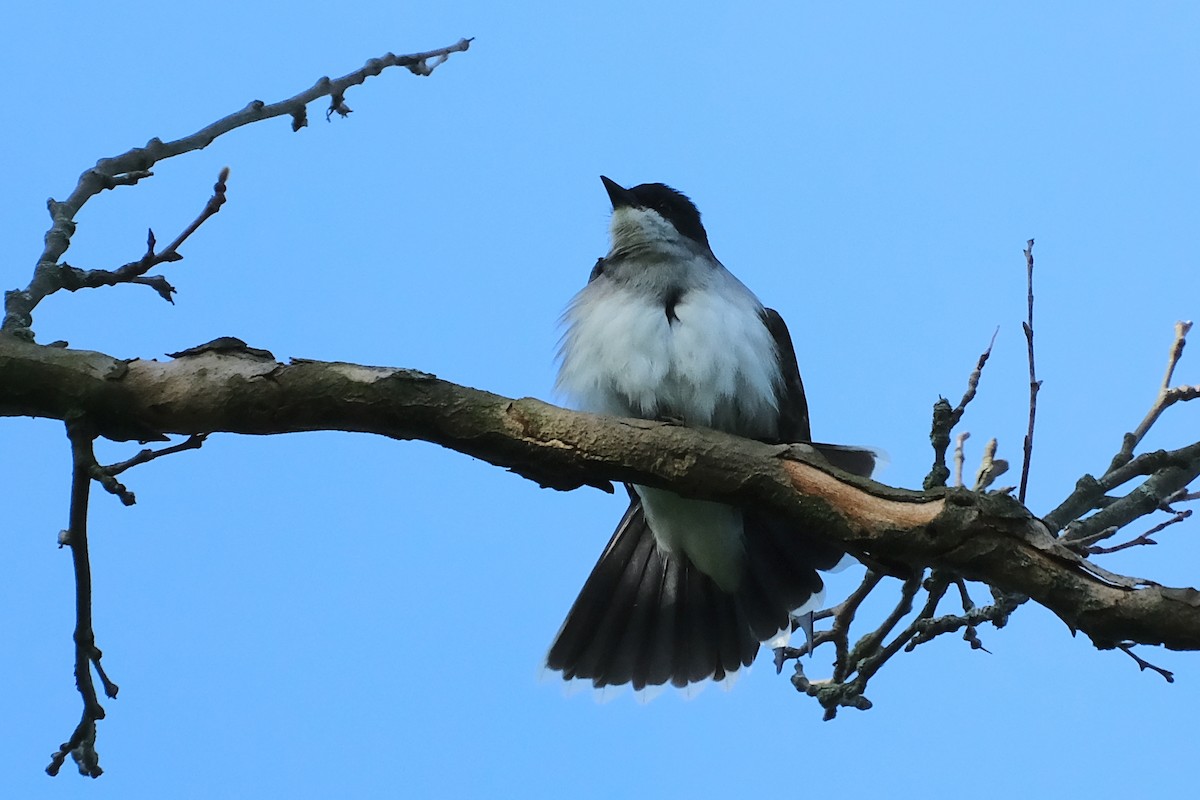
(793, 407)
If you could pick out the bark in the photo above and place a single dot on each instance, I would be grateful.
(228, 387)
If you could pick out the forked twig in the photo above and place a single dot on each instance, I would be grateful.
(1143, 664)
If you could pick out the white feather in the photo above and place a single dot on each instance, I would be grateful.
(707, 361)
(715, 365)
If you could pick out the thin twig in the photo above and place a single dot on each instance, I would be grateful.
(73, 278)
(997, 613)
(1149, 496)
(967, 603)
(81, 745)
(960, 456)
(945, 418)
(973, 379)
(838, 633)
(1143, 664)
(1166, 398)
(1144, 539)
(193, 442)
(172, 252)
(1034, 384)
(865, 659)
(868, 645)
(134, 165)
(106, 476)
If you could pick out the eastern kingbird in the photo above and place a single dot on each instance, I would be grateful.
(686, 589)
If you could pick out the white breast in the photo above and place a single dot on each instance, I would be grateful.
(714, 365)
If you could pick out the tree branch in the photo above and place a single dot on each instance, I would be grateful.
(983, 537)
(1091, 493)
(132, 166)
(1034, 384)
(72, 278)
(1166, 398)
(945, 418)
(82, 744)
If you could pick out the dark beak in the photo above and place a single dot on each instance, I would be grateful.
(618, 194)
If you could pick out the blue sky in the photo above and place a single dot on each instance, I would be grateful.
(331, 614)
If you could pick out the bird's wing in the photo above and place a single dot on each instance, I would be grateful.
(793, 407)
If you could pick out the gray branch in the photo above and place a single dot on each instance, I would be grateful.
(135, 165)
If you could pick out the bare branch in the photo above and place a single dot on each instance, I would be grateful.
(1165, 481)
(864, 660)
(1178, 470)
(130, 167)
(73, 278)
(1143, 664)
(81, 745)
(973, 379)
(106, 476)
(1034, 384)
(982, 537)
(838, 633)
(193, 442)
(1144, 539)
(945, 418)
(960, 456)
(1166, 398)
(997, 613)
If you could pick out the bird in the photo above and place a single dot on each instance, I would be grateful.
(686, 590)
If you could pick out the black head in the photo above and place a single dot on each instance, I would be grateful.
(671, 205)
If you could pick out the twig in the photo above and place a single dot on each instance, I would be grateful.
(1034, 384)
(1166, 398)
(1144, 539)
(838, 633)
(193, 442)
(1180, 468)
(73, 278)
(134, 165)
(870, 653)
(967, 603)
(868, 645)
(1169, 471)
(997, 613)
(106, 476)
(843, 618)
(959, 456)
(81, 745)
(939, 438)
(864, 660)
(1143, 664)
(973, 379)
(1089, 492)
(945, 418)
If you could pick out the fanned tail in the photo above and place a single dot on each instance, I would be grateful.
(647, 616)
